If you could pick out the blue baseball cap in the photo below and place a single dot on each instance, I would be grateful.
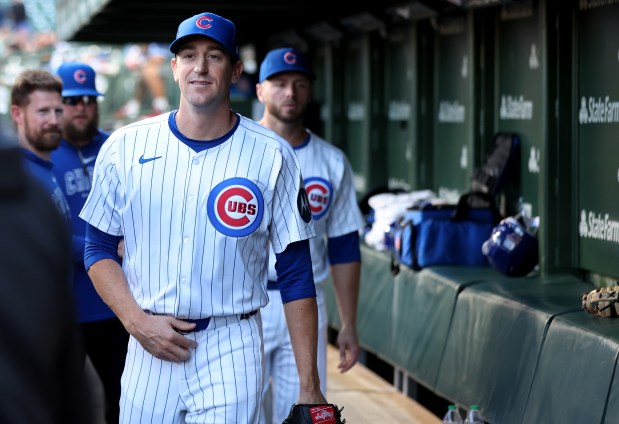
(285, 59)
(208, 25)
(78, 79)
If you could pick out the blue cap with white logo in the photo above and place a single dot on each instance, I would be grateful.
(208, 25)
(285, 59)
(78, 79)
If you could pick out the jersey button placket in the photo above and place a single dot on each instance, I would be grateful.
(189, 236)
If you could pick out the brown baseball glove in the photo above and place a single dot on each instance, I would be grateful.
(602, 301)
(315, 414)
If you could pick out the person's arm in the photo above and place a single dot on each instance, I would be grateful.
(302, 319)
(157, 334)
(345, 259)
(296, 282)
(346, 285)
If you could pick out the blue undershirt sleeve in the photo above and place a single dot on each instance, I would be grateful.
(344, 249)
(99, 245)
(295, 277)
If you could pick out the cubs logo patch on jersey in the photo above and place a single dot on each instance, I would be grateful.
(303, 204)
(319, 193)
(235, 207)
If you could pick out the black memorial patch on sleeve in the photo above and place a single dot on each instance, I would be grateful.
(303, 204)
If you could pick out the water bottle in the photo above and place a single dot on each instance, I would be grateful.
(452, 416)
(474, 416)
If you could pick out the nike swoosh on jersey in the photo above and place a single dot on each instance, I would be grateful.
(143, 160)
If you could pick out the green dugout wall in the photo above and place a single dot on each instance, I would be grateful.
(519, 93)
(328, 94)
(547, 70)
(597, 100)
(400, 92)
(415, 106)
(364, 128)
(453, 141)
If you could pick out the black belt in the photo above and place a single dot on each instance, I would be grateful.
(272, 285)
(202, 323)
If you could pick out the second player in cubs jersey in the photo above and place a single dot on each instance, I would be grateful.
(329, 185)
(328, 182)
(284, 89)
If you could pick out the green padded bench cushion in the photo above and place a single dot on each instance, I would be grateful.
(513, 346)
(423, 305)
(495, 339)
(576, 380)
(405, 319)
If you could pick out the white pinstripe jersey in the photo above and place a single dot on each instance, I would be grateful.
(330, 189)
(197, 225)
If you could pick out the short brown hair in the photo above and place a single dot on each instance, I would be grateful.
(33, 80)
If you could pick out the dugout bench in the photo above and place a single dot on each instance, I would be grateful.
(520, 348)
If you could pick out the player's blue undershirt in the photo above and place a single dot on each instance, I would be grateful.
(294, 264)
(340, 250)
(344, 249)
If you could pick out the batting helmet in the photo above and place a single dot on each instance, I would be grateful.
(510, 249)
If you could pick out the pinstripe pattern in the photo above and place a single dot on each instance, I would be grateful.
(323, 161)
(320, 159)
(185, 255)
(176, 261)
(220, 383)
(335, 213)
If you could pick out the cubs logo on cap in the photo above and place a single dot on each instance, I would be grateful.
(208, 25)
(80, 76)
(319, 193)
(78, 79)
(235, 207)
(285, 59)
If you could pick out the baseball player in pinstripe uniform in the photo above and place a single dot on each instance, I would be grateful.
(199, 194)
(285, 89)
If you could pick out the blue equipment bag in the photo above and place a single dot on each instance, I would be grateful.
(443, 235)
(454, 234)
